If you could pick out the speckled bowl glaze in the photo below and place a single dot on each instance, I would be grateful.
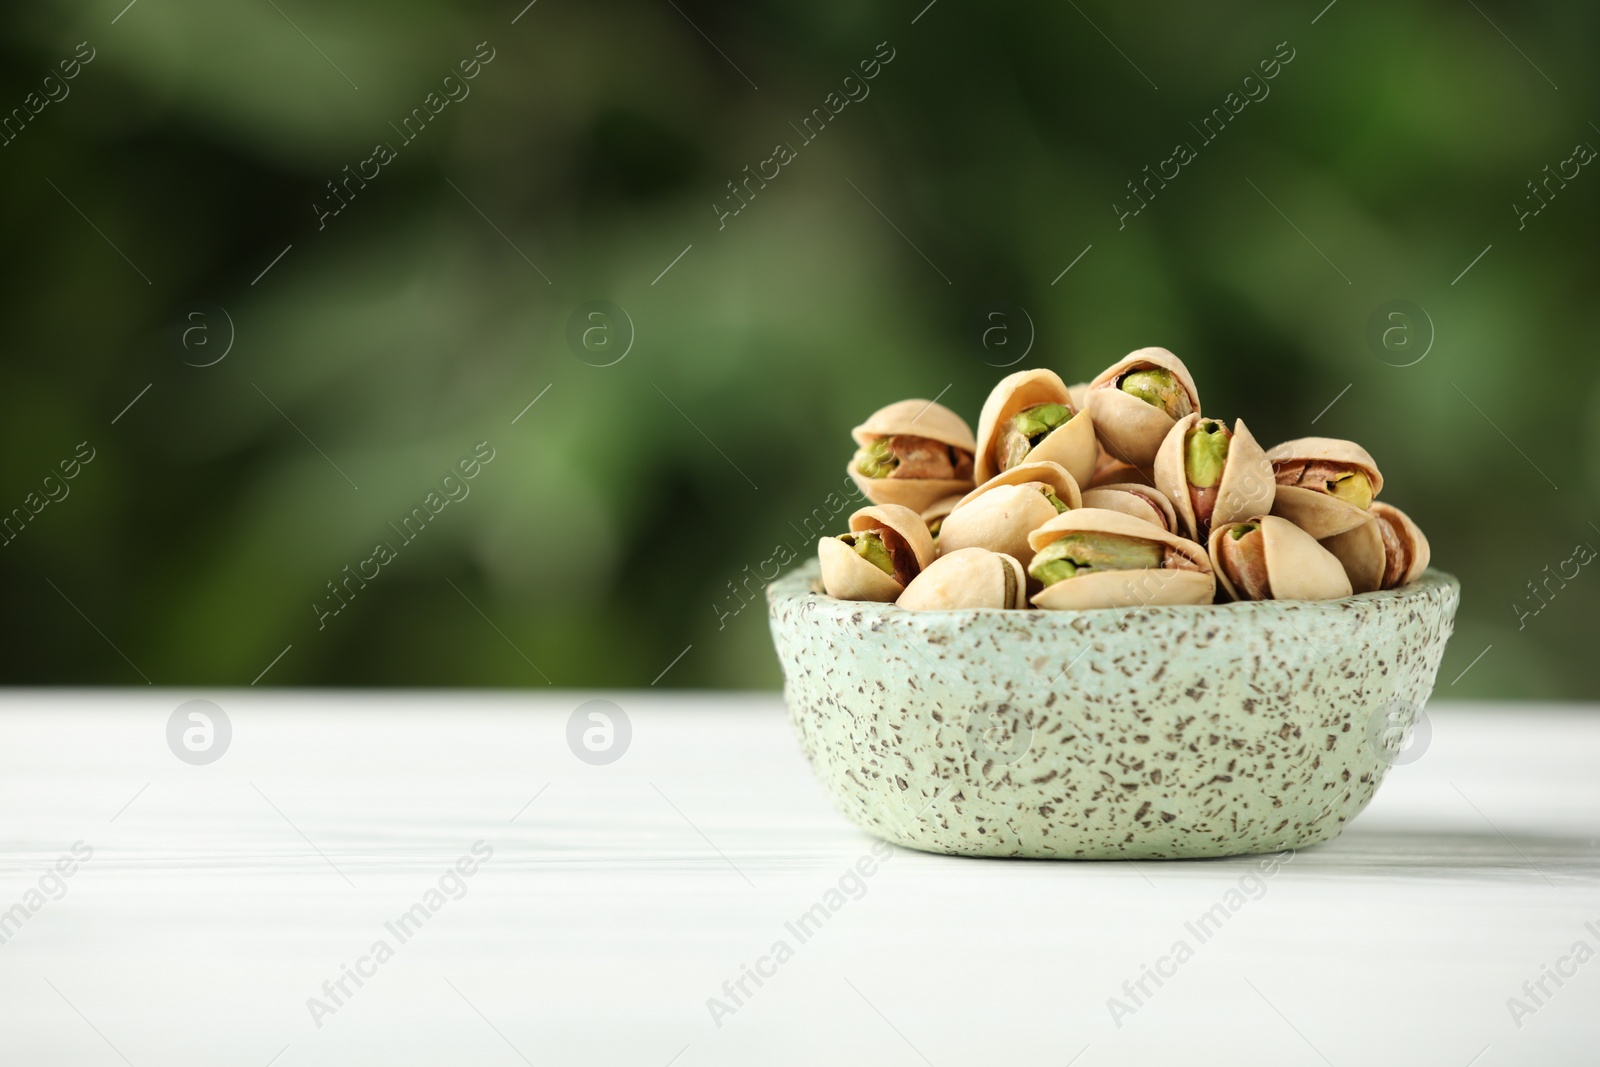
(1165, 732)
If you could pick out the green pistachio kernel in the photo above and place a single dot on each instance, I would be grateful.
(1238, 530)
(1205, 453)
(1158, 388)
(1055, 501)
(870, 547)
(1078, 553)
(1353, 488)
(875, 460)
(1027, 428)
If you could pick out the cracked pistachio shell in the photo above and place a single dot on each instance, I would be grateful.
(1298, 567)
(1079, 394)
(940, 508)
(919, 418)
(1123, 589)
(1130, 498)
(1365, 551)
(968, 578)
(1130, 429)
(846, 576)
(1001, 513)
(1073, 444)
(1316, 512)
(1247, 486)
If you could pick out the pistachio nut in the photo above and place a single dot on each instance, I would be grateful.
(1212, 475)
(1098, 558)
(1325, 485)
(1270, 558)
(1135, 401)
(1388, 552)
(1130, 498)
(934, 514)
(1030, 416)
(912, 453)
(1001, 513)
(887, 546)
(967, 578)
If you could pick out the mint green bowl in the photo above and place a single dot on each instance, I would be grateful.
(1165, 732)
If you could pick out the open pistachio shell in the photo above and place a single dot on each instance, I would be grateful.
(912, 418)
(1131, 429)
(1072, 444)
(903, 521)
(1316, 512)
(1078, 393)
(934, 514)
(1001, 513)
(1127, 588)
(1387, 552)
(969, 578)
(1130, 498)
(848, 576)
(1297, 567)
(1246, 486)
(919, 418)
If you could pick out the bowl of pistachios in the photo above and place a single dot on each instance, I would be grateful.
(1106, 625)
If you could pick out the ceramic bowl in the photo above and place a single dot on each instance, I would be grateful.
(1161, 732)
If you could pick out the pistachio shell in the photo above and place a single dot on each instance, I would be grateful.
(999, 520)
(913, 493)
(846, 576)
(1316, 512)
(1365, 555)
(1112, 471)
(1123, 589)
(1078, 393)
(969, 578)
(1329, 448)
(1140, 501)
(1130, 429)
(1361, 552)
(1247, 485)
(919, 418)
(1410, 534)
(903, 521)
(1127, 589)
(937, 510)
(1053, 474)
(1298, 568)
(1073, 445)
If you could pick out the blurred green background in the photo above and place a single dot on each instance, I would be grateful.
(594, 148)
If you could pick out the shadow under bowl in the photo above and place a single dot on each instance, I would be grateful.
(1161, 732)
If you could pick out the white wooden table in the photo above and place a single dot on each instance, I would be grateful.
(220, 898)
